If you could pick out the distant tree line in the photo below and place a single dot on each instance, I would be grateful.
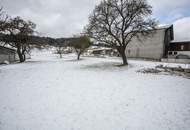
(113, 23)
(19, 34)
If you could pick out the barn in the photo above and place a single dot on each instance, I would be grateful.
(179, 49)
(154, 46)
(7, 55)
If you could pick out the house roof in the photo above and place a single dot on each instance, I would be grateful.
(164, 26)
(7, 50)
(180, 42)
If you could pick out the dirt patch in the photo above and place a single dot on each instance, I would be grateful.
(179, 71)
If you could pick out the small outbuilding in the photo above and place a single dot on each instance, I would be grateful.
(7, 55)
(179, 49)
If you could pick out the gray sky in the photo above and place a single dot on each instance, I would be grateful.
(64, 18)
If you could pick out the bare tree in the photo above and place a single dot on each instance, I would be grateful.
(115, 23)
(3, 20)
(19, 32)
(60, 51)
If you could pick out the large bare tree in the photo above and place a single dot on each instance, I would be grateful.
(19, 32)
(115, 23)
(3, 20)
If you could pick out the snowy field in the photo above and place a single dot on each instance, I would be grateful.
(48, 93)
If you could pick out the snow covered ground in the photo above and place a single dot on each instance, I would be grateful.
(48, 93)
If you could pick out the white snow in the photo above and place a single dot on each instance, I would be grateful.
(48, 93)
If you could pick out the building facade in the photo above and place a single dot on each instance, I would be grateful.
(155, 46)
(179, 48)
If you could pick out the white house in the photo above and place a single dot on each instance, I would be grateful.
(155, 46)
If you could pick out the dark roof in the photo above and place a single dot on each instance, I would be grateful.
(180, 42)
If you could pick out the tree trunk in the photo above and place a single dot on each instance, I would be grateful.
(121, 51)
(24, 56)
(60, 55)
(78, 56)
(124, 58)
(21, 56)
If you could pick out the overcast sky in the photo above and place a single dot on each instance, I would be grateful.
(64, 18)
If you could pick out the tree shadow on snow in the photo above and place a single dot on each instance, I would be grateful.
(73, 60)
(106, 66)
(37, 62)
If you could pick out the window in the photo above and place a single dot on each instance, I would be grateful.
(170, 53)
(129, 51)
(175, 53)
(182, 47)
